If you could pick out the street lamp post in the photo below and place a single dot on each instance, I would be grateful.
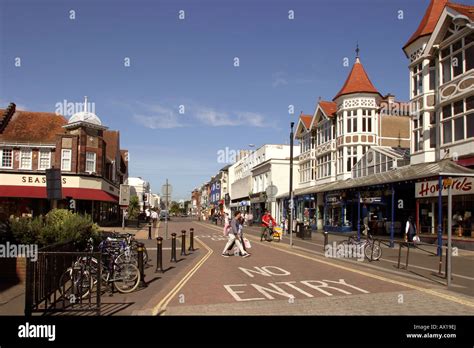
(290, 220)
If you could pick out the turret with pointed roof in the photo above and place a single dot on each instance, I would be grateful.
(357, 82)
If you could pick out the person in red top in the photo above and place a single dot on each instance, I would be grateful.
(268, 223)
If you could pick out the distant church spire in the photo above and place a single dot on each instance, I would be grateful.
(357, 51)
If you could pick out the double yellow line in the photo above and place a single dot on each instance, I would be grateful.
(160, 308)
(447, 297)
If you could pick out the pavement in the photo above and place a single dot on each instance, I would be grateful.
(143, 300)
(279, 279)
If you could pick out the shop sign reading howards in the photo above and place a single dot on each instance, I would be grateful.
(461, 186)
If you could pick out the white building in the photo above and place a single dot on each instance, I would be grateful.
(250, 176)
(140, 188)
(441, 53)
(155, 200)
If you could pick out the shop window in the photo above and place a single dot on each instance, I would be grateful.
(25, 159)
(44, 159)
(66, 156)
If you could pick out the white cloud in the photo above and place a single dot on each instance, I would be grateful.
(216, 118)
(158, 117)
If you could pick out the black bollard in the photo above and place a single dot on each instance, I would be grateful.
(149, 231)
(183, 242)
(140, 265)
(159, 255)
(326, 235)
(173, 248)
(191, 239)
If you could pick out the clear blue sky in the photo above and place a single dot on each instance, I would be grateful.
(190, 62)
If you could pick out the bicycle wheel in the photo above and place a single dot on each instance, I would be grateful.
(126, 258)
(126, 277)
(75, 283)
(376, 251)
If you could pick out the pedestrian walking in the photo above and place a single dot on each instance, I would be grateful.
(235, 236)
(154, 218)
(410, 230)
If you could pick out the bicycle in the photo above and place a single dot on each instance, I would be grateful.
(116, 269)
(371, 250)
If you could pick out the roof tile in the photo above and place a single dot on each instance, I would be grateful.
(33, 127)
(357, 82)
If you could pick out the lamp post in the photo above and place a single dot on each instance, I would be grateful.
(290, 219)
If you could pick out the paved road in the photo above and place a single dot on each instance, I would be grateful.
(279, 280)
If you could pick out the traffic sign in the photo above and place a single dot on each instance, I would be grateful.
(271, 191)
(124, 195)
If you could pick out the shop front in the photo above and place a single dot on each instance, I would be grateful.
(428, 212)
(335, 212)
(258, 205)
(306, 210)
(25, 195)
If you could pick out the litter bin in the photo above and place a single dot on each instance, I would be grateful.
(306, 232)
(299, 229)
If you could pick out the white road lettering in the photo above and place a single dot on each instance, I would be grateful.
(322, 285)
(276, 290)
(281, 270)
(343, 282)
(291, 285)
(237, 297)
(257, 270)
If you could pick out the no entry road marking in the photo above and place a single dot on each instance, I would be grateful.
(284, 247)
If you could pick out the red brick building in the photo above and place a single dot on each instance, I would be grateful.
(89, 156)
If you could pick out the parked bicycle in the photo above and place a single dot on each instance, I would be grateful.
(372, 251)
(119, 267)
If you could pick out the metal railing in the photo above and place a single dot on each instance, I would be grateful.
(44, 292)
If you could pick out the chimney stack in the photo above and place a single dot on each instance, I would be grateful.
(7, 115)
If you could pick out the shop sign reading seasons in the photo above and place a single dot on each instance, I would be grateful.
(74, 181)
(460, 186)
(37, 180)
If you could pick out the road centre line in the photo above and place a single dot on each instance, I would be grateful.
(411, 286)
